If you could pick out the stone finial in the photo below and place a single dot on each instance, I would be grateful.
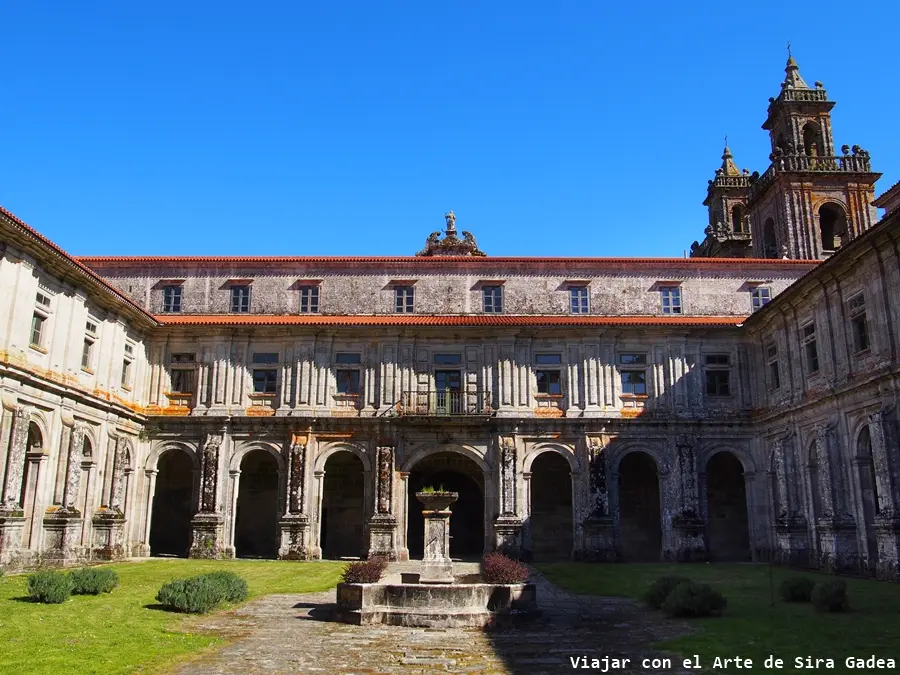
(451, 244)
(792, 78)
(729, 168)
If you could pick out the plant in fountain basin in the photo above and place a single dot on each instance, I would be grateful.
(497, 568)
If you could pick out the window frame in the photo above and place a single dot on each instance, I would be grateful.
(629, 364)
(671, 299)
(494, 292)
(773, 367)
(715, 365)
(271, 375)
(757, 301)
(404, 298)
(190, 373)
(175, 303)
(355, 377)
(87, 353)
(810, 348)
(859, 323)
(579, 300)
(309, 298)
(237, 298)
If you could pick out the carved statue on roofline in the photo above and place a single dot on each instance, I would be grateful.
(451, 245)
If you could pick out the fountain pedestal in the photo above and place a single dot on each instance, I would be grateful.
(437, 568)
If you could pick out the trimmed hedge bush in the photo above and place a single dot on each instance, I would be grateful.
(690, 599)
(831, 596)
(797, 589)
(93, 580)
(200, 594)
(659, 590)
(366, 572)
(497, 568)
(49, 587)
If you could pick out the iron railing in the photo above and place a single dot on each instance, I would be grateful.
(444, 403)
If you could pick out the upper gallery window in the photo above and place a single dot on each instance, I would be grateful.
(810, 349)
(859, 326)
(671, 299)
(39, 319)
(403, 299)
(172, 298)
(772, 364)
(309, 299)
(240, 298)
(447, 359)
(718, 374)
(493, 299)
(578, 299)
(632, 368)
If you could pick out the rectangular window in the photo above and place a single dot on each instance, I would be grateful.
(760, 296)
(129, 349)
(548, 359)
(37, 329)
(265, 357)
(772, 364)
(859, 325)
(87, 354)
(240, 299)
(403, 299)
(183, 381)
(718, 374)
(578, 299)
(447, 359)
(671, 299)
(548, 382)
(264, 380)
(184, 358)
(633, 359)
(42, 300)
(634, 382)
(493, 299)
(172, 298)
(126, 373)
(810, 349)
(309, 299)
(347, 358)
(90, 327)
(347, 382)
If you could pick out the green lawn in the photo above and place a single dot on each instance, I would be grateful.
(750, 626)
(117, 633)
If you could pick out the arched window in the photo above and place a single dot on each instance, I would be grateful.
(770, 243)
(812, 139)
(832, 227)
(737, 218)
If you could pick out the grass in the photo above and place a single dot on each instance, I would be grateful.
(751, 627)
(120, 632)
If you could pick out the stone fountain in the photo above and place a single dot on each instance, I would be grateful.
(435, 598)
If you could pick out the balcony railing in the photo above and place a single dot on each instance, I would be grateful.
(444, 403)
(803, 95)
(859, 162)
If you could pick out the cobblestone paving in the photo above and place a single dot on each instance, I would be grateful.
(290, 634)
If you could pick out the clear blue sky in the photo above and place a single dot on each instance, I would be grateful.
(320, 128)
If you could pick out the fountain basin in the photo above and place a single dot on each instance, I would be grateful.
(436, 605)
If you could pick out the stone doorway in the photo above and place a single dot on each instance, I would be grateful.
(170, 525)
(640, 528)
(343, 529)
(728, 532)
(256, 517)
(457, 473)
(551, 508)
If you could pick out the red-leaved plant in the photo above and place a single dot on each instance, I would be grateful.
(497, 568)
(367, 572)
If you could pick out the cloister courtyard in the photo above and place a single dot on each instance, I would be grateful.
(589, 610)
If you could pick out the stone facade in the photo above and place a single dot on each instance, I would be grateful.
(592, 409)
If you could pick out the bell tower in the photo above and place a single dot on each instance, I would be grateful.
(811, 200)
(728, 231)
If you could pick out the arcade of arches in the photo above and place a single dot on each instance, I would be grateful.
(256, 516)
(343, 526)
(170, 524)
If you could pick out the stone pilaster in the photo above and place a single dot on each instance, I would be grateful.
(838, 548)
(383, 524)
(689, 526)
(15, 463)
(108, 540)
(294, 525)
(599, 526)
(63, 522)
(508, 525)
(791, 531)
(208, 523)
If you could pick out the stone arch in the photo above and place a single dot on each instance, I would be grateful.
(38, 429)
(160, 448)
(737, 218)
(457, 468)
(257, 502)
(868, 491)
(770, 239)
(748, 465)
(360, 452)
(426, 450)
(639, 506)
(564, 451)
(727, 521)
(812, 139)
(833, 225)
(550, 508)
(242, 449)
(172, 505)
(622, 451)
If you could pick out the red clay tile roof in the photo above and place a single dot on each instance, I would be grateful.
(446, 320)
(79, 266)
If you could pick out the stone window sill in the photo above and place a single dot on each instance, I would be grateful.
(551, 397)
(262, 395)
(87, 371)
(38, 349)
(634, 397)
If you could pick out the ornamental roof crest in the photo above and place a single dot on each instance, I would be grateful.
(451, 244)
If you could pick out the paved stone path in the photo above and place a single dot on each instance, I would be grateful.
(290, 634)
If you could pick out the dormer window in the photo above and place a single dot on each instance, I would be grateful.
(309, 298)
(671, 299)
(578, 300)
(404, 299)
(492, 295)
(240, 298)
(172, 294)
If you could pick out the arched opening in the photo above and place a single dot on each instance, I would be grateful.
(640, 530)
(770, 243)
(832, 226)
(457, 473)
(813, 468)
(737, 219)
(256, 516)
(28, 489)
(780, 144)
(343, 533)
(170, 525)
(812, 140)
(728, 532)
(868, 491)
(551, 507)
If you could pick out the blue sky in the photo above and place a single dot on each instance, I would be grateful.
(322, 128)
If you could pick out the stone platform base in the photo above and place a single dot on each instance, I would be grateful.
(436, 605)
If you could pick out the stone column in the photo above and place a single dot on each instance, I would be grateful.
(316, 553)
(508, 525)
(62, 523)
(109, 522)
(437, 567)
(235, 476)
(208, 524)
(791, 531)
(294, 525)
(836, 528)
(12, 515)
(383, 524)
(599, 526)
(887, 521)
(688, 525)
(150, 485)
